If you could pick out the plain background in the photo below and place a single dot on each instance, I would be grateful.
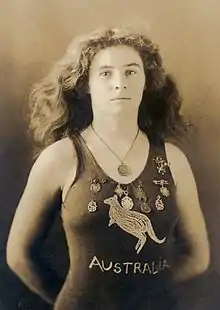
(34, 34)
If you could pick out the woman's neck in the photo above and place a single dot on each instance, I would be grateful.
(119, 137)
(116, 132)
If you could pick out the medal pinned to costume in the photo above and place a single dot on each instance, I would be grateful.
(159, 203)
(119, 190)
(142, 197)
(163, 189)
(161, 165)
(139, 192)
(92, 206)
(145, 207)
(126, 202)
(94, 187)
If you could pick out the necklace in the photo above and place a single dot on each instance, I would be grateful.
(123, 169)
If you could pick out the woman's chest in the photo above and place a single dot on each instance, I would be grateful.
(142, 209)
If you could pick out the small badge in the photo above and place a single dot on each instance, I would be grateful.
(160, 182)
(92, 206)
(161, 164)
(139, 193)
(159, 203)
(95, 186)
(119, 190)
(164, 191)
(145, 207)
(127, 203)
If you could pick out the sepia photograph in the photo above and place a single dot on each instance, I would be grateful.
(109, 155)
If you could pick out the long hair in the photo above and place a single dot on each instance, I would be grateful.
(60, 104)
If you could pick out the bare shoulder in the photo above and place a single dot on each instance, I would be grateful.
(175, 153)
(179, 164)
(60, 152)
(55, 161)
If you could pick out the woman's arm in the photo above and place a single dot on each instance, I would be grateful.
(33, 219)
(191, 226)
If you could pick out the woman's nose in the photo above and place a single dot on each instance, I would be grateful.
(118, 87)
(120, 82)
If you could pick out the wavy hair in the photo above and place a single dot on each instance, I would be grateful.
(60, 104)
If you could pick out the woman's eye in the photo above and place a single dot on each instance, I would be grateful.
(130, 72)
(105, 74)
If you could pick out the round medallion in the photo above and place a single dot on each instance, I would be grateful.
(145, 207)
(123, 170)
(95, 187)
(127, 203)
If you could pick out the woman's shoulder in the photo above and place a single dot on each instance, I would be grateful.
(56, 160)
(173, 150)
(177, 160)
(175, 154)
(58, 152)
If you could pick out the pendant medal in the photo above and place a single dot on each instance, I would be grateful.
(119, 190)
(145, 207)
(92, 206)
(95, 186)
(139, 193)
(127, 203)
(164, 191)
(159, 203)
(123, 170)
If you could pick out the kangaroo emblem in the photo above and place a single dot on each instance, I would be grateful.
(134, 223)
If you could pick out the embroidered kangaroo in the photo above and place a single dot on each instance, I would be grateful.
(134, 223)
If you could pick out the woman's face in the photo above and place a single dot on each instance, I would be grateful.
(116, 80)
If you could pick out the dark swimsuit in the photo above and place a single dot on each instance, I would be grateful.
(120, 237)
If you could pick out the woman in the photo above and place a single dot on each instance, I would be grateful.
(129, 199)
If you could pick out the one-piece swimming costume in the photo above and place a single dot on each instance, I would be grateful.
(120, 237)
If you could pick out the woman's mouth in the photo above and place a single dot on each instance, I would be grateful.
(120, 98)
